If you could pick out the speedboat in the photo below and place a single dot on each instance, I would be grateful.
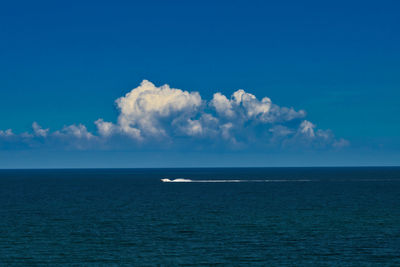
(178, 180)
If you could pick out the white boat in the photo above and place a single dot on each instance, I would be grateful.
(179, 180)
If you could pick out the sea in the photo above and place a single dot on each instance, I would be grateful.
(200, 217)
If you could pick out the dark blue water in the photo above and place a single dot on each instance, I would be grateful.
(342, 216)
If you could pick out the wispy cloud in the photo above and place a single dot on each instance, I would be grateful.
(149, 114)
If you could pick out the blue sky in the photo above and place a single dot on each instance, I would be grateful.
(66, 64)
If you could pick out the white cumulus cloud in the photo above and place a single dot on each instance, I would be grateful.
(105, 128)
(149, 114)
(38, 130)
(145, 110)
(6, 133)
(74, 131)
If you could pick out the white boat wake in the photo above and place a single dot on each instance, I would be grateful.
(181, 180)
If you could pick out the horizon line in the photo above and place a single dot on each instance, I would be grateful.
(219, 167)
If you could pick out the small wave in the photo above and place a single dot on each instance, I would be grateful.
(181, 180)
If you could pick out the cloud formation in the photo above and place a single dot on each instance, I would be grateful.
(149, 114)
(145, 110)
(6, 133)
